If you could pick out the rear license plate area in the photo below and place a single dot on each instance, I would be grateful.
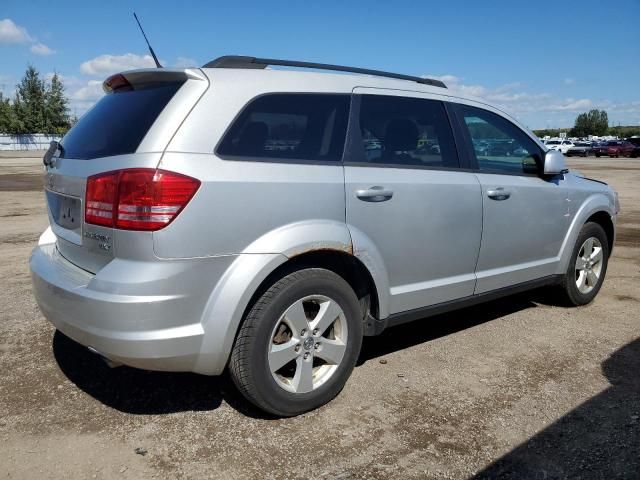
(65, 211)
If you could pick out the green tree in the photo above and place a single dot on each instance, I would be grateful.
(29, 104)
(7, 116)
(550, 132)
(624, 131)
(595, 122)
(38, 106)
(581, 127)
(56, 110)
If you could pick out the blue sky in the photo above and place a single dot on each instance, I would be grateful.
(543, 61)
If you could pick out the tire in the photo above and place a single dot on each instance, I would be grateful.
(581, 295)
(597, 155)
(306, 297)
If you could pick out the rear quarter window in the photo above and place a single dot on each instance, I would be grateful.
(117, 123)
(289, 127)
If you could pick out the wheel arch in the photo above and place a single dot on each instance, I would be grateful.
(603, 219)
(597, 207)
(346, 265)
(321, 244)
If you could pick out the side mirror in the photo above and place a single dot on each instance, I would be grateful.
(554, 163)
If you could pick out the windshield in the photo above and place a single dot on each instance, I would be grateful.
(553, 142)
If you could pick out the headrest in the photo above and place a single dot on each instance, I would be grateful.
(401, 135)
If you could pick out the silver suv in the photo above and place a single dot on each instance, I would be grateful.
(265, 220)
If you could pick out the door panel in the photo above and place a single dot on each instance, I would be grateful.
(428, 232)
(405, 192)
(525, 216)
(522, 234)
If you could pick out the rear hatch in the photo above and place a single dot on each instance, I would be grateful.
(128, 128)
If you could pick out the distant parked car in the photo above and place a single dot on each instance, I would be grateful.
(561, 145)
(520, 152)
(635, 153)
(501, 149)
(481, 148)
(581, 149)
(615, 148)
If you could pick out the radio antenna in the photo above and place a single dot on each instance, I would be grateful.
(153, 54)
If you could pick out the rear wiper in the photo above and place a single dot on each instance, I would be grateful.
(48, 159)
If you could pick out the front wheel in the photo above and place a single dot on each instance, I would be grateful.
(588, 265)
(299, 343)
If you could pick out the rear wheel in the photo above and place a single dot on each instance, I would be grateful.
(299, 343)
(588, 265)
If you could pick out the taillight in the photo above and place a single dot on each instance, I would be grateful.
(101, 197)
(137, 198)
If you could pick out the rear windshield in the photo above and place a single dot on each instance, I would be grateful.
(117, 123)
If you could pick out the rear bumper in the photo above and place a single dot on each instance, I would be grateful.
(150, 318)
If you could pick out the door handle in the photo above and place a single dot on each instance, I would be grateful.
(498, 193)
(374, 194)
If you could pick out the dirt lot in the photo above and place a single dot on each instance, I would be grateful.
(518, 388)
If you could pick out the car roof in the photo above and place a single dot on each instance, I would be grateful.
(317, 81)
(277, 80)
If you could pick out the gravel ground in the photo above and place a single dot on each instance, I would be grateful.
(523, 387)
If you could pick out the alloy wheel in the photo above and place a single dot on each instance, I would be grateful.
(307, 344)
(589, 265)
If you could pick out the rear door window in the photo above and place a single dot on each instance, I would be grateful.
(289, 127)
(117, 123)
(405, 131)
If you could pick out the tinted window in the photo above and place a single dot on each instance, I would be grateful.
(290, 126)
(406, 131)
(498, 145)
(117, 123)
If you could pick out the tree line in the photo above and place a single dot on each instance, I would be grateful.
(39, 106)
(594, 122)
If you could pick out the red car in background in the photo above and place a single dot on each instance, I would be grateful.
(635, 153)
(614, 148)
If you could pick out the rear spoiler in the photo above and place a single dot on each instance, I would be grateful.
(150, 77)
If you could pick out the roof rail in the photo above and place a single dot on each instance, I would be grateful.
(236, 61)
